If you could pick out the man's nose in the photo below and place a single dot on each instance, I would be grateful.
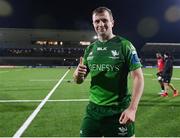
(101, 23)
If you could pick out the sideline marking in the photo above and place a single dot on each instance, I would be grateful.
(147, 74)
(175, 78)
(39, 80)
(171, 79)
(3, 71)
(33, 115)
(28, 101)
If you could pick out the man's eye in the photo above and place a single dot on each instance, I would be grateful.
(104, 20)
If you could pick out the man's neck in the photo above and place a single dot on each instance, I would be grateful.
(105, 37)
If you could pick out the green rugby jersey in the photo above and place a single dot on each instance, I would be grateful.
(109, 63)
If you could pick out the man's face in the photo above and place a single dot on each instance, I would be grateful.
(103, 23)
(158, 55)
(165, 56)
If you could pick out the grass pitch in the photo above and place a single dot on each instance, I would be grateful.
(21, 91)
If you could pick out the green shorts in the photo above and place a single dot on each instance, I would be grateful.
(104, 121)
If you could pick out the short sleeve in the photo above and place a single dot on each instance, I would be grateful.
(131, 56)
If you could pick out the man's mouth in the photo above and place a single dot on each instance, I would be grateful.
(101, 29)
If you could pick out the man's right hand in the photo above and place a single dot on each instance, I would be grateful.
(80, 72)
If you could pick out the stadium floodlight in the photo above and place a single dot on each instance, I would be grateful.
(5, 8)
(61, 43)
(84, 43)
(172, 14)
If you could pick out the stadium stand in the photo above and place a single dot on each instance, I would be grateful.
(42, 47)
(149, 50)
(45, 47)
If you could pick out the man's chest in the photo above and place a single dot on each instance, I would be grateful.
(104, 58)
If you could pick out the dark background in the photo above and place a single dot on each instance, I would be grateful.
(139, 21)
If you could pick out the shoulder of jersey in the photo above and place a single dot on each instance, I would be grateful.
(123, 41)
(91, 45)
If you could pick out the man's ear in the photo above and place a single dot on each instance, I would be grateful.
(112, 21)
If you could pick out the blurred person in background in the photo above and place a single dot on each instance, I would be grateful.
(167, 75)
(160, 67)
(111, 111)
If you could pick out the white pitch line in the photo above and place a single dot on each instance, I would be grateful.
(26, 101)
(19, 101)
(69, 100)
(39, 80)
(147, 74)
(44, 80)
(171, 79)
(175, 78)
(3, 71)
(33, 115)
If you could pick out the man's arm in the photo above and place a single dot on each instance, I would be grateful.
(138, 85)
(80, 72)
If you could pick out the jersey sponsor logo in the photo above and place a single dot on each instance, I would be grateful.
(104, 67)
(101, 48)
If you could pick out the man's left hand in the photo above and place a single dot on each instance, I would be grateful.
(127, 116)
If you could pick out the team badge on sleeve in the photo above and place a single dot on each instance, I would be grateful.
(134, 57)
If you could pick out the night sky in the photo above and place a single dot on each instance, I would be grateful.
(139, 21)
